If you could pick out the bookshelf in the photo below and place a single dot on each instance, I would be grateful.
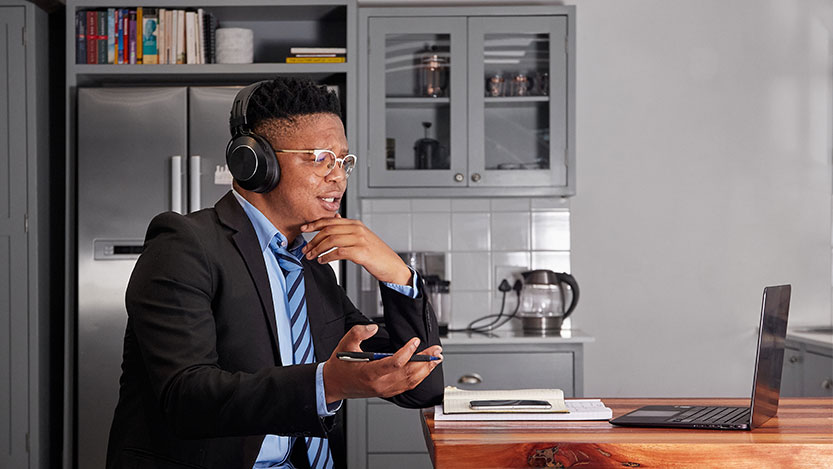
(278, 25)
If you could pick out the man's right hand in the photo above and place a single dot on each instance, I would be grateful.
(380, 378)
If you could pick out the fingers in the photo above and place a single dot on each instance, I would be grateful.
(401, 357)
(354, 337)
(434, 351)
(332, 236)
(322, 223)
(323, 243)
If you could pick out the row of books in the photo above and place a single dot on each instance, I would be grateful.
(144, 36)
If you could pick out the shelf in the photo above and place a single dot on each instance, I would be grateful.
(417, 100)
(207, 69)
(516, 99)
(205, 3)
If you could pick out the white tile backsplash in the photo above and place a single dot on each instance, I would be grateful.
(510, 205)
(393, 228)
(468, 306)
(431, 205)
(470, 231)
(484, 240)
(516, 259)
(551, 231)
(508, 265)
(391, 205)
(470, 205)
(470, 271)
(555, 261)
(549, 203)
(431, 231)
(510, 231)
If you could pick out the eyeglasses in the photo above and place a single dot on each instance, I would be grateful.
(326, 160)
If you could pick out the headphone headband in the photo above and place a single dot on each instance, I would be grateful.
(238, 121)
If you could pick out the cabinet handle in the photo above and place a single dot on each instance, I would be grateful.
(473, 378)
(795, 359)
(176, 183)
(475, 177)
(827, 383)
(459, 177)
(194, 203)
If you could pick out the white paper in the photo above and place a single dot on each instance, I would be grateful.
(580, 409)
(457, 400)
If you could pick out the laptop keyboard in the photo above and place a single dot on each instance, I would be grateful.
(713, 415)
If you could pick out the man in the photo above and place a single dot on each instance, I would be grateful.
(234, 321)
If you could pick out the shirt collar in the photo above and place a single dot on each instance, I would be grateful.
(264, 228)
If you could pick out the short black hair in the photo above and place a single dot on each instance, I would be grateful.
(286, 98)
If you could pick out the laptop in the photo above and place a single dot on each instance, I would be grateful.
(766, 387)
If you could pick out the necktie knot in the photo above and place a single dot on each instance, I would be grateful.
(286, 260)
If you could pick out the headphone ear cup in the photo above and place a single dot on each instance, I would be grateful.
(252, 163)
(273, 168)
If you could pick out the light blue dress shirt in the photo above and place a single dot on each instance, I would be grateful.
(275, 449)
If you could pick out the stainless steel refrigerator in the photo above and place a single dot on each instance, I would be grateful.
(141, 151)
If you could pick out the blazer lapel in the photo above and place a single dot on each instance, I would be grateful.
(232, 215)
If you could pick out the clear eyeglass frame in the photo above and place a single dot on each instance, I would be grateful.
(330, 158)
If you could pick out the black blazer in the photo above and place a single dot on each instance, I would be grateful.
(201, 378)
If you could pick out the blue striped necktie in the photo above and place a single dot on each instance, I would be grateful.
(318, 449)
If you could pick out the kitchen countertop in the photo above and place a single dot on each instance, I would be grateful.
(821, 339)
(515, 337)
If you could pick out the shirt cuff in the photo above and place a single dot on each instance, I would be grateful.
(324, 409)
(411, 291)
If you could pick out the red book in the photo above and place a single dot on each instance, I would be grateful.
(125, 24)
(92, 37)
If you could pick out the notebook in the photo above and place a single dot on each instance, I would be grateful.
(579, 409)
(457, 401)
(766, 387)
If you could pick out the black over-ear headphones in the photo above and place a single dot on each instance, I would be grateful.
(251, 160)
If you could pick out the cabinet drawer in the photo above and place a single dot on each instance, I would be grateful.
(510, 370)
(818, 375)
(399, 461)
(392, 429)
(791, 376)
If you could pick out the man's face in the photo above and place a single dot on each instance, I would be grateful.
(301, 195)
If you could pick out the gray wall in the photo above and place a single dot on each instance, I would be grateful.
(704, 141)
(704, 173)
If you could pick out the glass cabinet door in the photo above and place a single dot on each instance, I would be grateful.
(417, 95)
(518, 101)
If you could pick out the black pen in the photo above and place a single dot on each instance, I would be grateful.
(370, 356)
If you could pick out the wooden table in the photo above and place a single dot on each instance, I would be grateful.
(800, 436)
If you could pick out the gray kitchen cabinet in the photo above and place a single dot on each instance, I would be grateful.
(792, 375)
(808, 365)
(26, 264)
(818, 374)
(382, 435)
(465, 101)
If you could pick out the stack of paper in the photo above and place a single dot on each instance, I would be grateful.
(456, 401)
(456, 406)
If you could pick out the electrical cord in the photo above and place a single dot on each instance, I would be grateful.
(496, 318)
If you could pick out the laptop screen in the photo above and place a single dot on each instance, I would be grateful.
(770, 360)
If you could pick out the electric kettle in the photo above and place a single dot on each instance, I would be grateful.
(544, 300)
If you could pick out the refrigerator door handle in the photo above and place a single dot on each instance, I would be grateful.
(194, 172)
(176, 184)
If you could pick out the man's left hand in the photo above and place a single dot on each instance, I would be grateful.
(343, 238)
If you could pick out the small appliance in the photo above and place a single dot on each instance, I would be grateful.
(429, 153)
(544, 300)
(433, 79)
